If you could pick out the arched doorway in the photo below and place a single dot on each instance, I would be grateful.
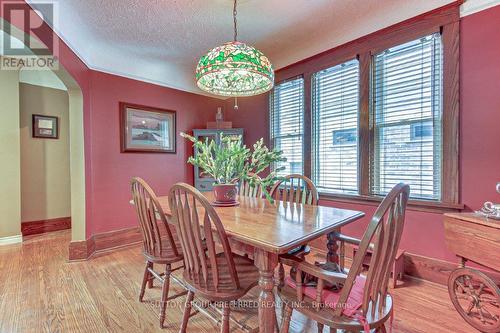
(76, 142)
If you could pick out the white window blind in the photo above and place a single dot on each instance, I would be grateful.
(287, 117)
(335, 131)
(407, 105)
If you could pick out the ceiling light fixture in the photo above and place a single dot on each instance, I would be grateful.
(235, 69)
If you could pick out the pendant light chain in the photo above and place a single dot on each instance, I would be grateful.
(235, 22)
(235, 12)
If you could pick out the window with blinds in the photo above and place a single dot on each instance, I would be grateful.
(335, 128)
(287, 117)
(407, 106)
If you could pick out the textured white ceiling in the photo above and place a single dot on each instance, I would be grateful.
(160, 41)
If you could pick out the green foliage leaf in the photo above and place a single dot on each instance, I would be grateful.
(232, 161)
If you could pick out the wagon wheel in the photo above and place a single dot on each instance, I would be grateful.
(476, 298)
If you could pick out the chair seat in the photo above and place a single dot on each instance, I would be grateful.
(166, 253)
(248, 275)
(330, 298)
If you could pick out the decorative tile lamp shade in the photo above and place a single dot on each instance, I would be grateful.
(235, 69)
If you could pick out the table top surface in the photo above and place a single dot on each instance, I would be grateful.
(276, 227)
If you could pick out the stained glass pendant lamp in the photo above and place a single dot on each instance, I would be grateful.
(235, 69)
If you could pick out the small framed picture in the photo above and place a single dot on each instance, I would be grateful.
(46, 127)
(146, 129)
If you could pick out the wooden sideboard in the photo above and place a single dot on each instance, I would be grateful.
(475, 294)
(474, 237)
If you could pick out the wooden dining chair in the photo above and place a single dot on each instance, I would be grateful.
(298, 189)
(295, 188)
(248, 190)
(217, 277)
(160, 243)
(362, 303)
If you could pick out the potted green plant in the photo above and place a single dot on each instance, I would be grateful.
(231, 161)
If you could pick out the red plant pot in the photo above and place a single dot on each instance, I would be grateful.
(225, 193)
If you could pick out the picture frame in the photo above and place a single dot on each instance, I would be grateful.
(145, 129)
(45, 127)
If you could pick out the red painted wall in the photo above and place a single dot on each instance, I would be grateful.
(112, 170)
(480, 106)
(251, 115)
(479, 136)
(107, 171)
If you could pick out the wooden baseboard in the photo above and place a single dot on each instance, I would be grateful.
(42, 226)
(427, 268)
(102, 242)
(416, 266)
(436, 270)
(422, 267)
(80, 250)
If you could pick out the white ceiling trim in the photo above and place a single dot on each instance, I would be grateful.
(473, 6)
(155, 82)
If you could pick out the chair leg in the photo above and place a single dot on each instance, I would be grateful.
(276, 325)
(283, 307)
(320, 328)
(282, 312)
(164, 294)
(151, 277)
(286, 317)
(333, 330)
(225, 317)
(381, 329)
(145, 280)
(187, 311)
(281, 276)
(398, 269)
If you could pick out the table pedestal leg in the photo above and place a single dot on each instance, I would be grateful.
(266, 262)
(332, 257)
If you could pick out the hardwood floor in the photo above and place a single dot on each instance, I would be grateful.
(40, 291)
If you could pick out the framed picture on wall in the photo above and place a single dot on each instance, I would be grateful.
(46, 127)
(146, 129)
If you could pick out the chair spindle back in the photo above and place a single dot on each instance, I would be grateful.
(295, 188)
(383, 235)
(248, 190)
(149, 212)
(189, 207)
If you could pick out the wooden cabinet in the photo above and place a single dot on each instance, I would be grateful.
(474, 294)
(203, 182)
(473, 237)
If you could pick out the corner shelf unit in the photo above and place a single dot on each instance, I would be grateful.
(201, 182)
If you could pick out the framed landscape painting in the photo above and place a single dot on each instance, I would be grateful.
(146, 129)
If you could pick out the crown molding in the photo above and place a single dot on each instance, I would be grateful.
(151, 81)
(473, 6)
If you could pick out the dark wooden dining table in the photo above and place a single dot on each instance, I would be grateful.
(275, 228)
